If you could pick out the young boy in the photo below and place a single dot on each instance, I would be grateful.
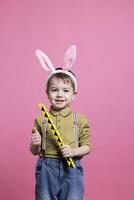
(55, 180)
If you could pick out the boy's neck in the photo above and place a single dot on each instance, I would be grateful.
(64, 112)
(60, 110)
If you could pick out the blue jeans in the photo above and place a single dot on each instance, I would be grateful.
(55, 180)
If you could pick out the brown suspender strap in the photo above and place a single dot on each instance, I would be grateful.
(43, 131)
(75, 122)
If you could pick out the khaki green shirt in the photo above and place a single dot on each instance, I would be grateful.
(65, 125)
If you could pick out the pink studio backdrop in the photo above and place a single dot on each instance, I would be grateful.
(103, 31)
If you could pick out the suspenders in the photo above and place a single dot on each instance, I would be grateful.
(44, 129)
(75, 123)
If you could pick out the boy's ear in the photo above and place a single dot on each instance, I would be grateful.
(47, 93)
(73, 97)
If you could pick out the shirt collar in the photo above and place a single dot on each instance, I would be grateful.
(64, 112)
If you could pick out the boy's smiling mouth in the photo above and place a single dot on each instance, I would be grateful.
(59, 100)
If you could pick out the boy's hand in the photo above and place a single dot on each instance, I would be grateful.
(36, 137)
(66, 151)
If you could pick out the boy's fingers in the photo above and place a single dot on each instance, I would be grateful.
(64, 146)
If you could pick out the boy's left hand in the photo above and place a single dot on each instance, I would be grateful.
(66, 151)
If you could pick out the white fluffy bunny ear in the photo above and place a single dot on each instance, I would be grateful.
(69, 57)
(44, 61)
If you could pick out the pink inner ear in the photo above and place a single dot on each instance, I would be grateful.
(44, 61)
(69, 57)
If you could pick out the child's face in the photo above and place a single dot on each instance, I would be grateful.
(60, 93)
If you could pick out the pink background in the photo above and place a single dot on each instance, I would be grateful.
(103, 31)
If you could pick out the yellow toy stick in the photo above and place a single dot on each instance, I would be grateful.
(55, 132)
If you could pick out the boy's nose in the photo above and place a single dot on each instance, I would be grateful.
(60, 93)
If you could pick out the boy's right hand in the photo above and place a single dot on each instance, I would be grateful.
(36, 137)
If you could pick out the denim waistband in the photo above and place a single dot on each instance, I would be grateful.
(56, 160)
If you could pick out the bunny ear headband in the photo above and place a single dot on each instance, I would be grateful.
(68, 61)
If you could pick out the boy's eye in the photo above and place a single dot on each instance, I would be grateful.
(66, 90)
(53, 90)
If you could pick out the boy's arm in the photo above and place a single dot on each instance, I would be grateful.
(67, 151)
(84, 140)
(35, 145)
(81, 151)
(35, 149)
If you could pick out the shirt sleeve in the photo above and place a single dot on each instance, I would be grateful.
(84, 131)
